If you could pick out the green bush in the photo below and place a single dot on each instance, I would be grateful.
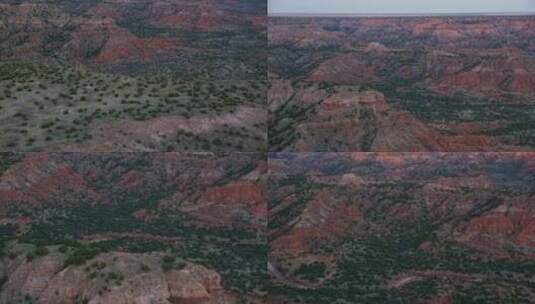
(80, 255)
(41, 251)
(311, 272)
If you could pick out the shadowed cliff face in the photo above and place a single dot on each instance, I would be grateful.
(132, 228)
(401, 227)
(445, 84)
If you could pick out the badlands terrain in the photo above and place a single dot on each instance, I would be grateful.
(401, 84)
(433, 228)
(226, 228)
(211, 217)
(142, 75)
(160, 228)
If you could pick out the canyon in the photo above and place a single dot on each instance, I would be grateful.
(401, 227)
(132, 228)
(460, 83)
(201, 152)
(75, 74)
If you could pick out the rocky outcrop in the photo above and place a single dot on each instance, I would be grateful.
(153, 134)
(137, 278)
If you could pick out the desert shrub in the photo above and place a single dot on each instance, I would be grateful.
(80, 255)
(168, 262)
(311, 272)
(144, 267)
(41, 251)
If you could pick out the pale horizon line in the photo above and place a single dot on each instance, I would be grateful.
(445, 14)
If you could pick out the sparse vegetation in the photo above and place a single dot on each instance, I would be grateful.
(70, 118)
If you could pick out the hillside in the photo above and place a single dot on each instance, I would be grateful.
(401, 84)
(132, 228)
(190, 39)
(401, 227)
(133, 75)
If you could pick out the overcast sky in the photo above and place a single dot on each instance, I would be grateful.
(399, 6)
